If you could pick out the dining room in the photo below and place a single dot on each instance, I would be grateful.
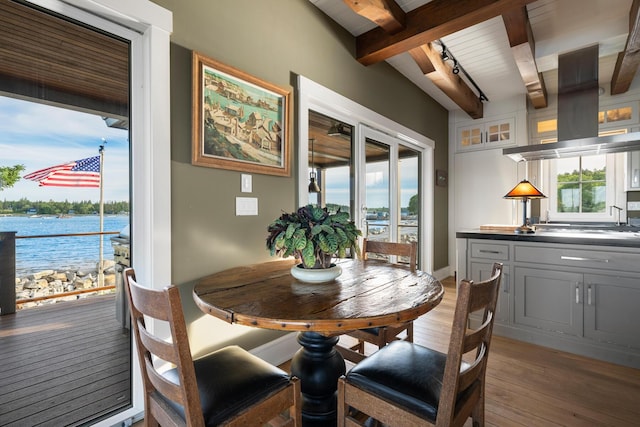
(377, 146)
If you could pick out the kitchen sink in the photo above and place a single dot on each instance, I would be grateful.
(594, 231)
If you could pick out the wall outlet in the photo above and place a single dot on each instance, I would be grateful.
(633, 206)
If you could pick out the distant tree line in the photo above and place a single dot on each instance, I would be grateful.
(24, 206)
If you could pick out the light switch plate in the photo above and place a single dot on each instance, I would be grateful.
(246, 206)
(246, 183)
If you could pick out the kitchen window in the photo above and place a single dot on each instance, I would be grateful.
(581, 188)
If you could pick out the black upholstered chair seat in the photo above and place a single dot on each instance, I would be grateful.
(372, 331)
(241, 380)
(405, 373)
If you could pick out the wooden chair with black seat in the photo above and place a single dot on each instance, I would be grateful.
(405, 384)
(229, 387)
(404, 252)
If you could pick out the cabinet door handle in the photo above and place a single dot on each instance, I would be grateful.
(486, 251)
(577, 294)
(579, 258)
(589, 295)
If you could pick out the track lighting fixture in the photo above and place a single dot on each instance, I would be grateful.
(457, 69)
(445, 55)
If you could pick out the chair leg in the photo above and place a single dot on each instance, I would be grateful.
(341, 404)
(409, 332)
(477, 414)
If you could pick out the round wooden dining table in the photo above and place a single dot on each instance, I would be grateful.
(367, 294)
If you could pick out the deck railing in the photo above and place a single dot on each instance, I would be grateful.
(8, 301)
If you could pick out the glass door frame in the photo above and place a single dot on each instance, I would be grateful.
(312, 96)
(394, 145)
(148, 27)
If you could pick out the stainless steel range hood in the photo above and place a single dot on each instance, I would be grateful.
(576, 147)
(577, 114)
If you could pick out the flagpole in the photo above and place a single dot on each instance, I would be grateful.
(100, 262)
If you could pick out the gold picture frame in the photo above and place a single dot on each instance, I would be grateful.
(240, 122)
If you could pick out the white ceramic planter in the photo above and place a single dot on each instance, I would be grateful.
(316, 275)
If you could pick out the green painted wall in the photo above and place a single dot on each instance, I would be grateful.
(275, 40)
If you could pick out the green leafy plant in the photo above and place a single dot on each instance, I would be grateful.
(313, 235)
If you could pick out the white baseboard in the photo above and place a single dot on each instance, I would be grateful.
(443, 273)
(279, 350)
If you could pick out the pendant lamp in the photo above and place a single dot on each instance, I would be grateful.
(313, 185)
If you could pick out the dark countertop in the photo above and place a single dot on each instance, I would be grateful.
(629, 238)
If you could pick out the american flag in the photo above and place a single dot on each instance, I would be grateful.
(79, 173)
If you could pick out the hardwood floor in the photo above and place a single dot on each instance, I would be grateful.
(64, 364)
(529, 385)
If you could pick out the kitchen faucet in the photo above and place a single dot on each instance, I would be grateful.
(611, 208)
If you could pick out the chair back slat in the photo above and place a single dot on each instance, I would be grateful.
(472, 298)
(166, 388)
(159, 348)
(476, 337)
(409, 250)
(472, 373)
(164, 305)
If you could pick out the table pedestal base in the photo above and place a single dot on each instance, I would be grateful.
(318, 365)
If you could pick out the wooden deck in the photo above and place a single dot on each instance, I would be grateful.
(64, 364)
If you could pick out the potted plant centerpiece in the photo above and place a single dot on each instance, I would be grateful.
(314, 236)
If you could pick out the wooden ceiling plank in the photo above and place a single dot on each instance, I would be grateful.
(628, 60)
(385, 13)
(52, 53)
(522, 44)
(42, 70)
(445, 79)
(427, 23)
(108, 51)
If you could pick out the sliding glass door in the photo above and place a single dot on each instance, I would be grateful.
(361, 162)
(391, 191)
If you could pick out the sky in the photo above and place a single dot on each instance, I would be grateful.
(39, 136)
(377, 184)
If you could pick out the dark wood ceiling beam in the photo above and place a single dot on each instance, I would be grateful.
(628, 60)
(522, 44)
(427, 23)
(385, 13)
(441, 74)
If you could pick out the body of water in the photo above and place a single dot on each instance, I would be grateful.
(61, 253)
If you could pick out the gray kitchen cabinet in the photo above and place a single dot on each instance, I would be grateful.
(580, 298)
(611, 309)
(482, 256)
(594, 306)
(581, 291)
(482, 271)
(549, 299)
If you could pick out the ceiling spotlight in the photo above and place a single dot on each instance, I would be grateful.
(456, 69)
(444, 55)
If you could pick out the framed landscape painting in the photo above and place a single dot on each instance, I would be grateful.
(239, 121)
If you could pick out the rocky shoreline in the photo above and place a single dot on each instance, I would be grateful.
(48, 283)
